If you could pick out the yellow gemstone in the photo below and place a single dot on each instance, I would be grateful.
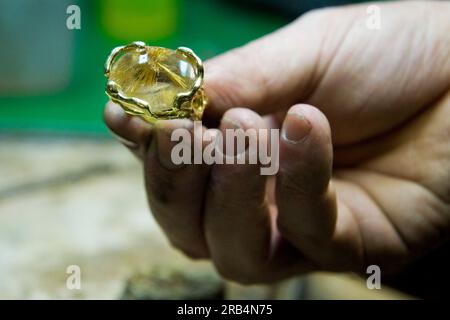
(156, 76)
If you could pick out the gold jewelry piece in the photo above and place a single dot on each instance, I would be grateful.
(156, 83)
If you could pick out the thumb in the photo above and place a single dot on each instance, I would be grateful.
(309, 215)
(267, 74)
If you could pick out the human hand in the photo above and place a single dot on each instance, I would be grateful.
(373, 189)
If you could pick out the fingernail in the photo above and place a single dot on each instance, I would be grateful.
(296, 126)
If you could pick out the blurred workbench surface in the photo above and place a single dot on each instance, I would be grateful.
(77, 201)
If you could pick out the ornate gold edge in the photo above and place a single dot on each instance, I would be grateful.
(198, 64)
(118, 50)
(136, 106)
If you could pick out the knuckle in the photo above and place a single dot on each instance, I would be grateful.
(159, 186)
(292, 184)
(233, 192)
(312, 184)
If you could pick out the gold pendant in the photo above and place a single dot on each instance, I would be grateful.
(156, 83)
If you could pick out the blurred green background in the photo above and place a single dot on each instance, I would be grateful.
(52, 77)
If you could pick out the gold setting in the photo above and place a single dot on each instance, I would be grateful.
(188, 104)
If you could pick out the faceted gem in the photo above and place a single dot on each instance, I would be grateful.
(155, 76)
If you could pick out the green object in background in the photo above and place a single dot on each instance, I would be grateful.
(139, 19)
(209, 27)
